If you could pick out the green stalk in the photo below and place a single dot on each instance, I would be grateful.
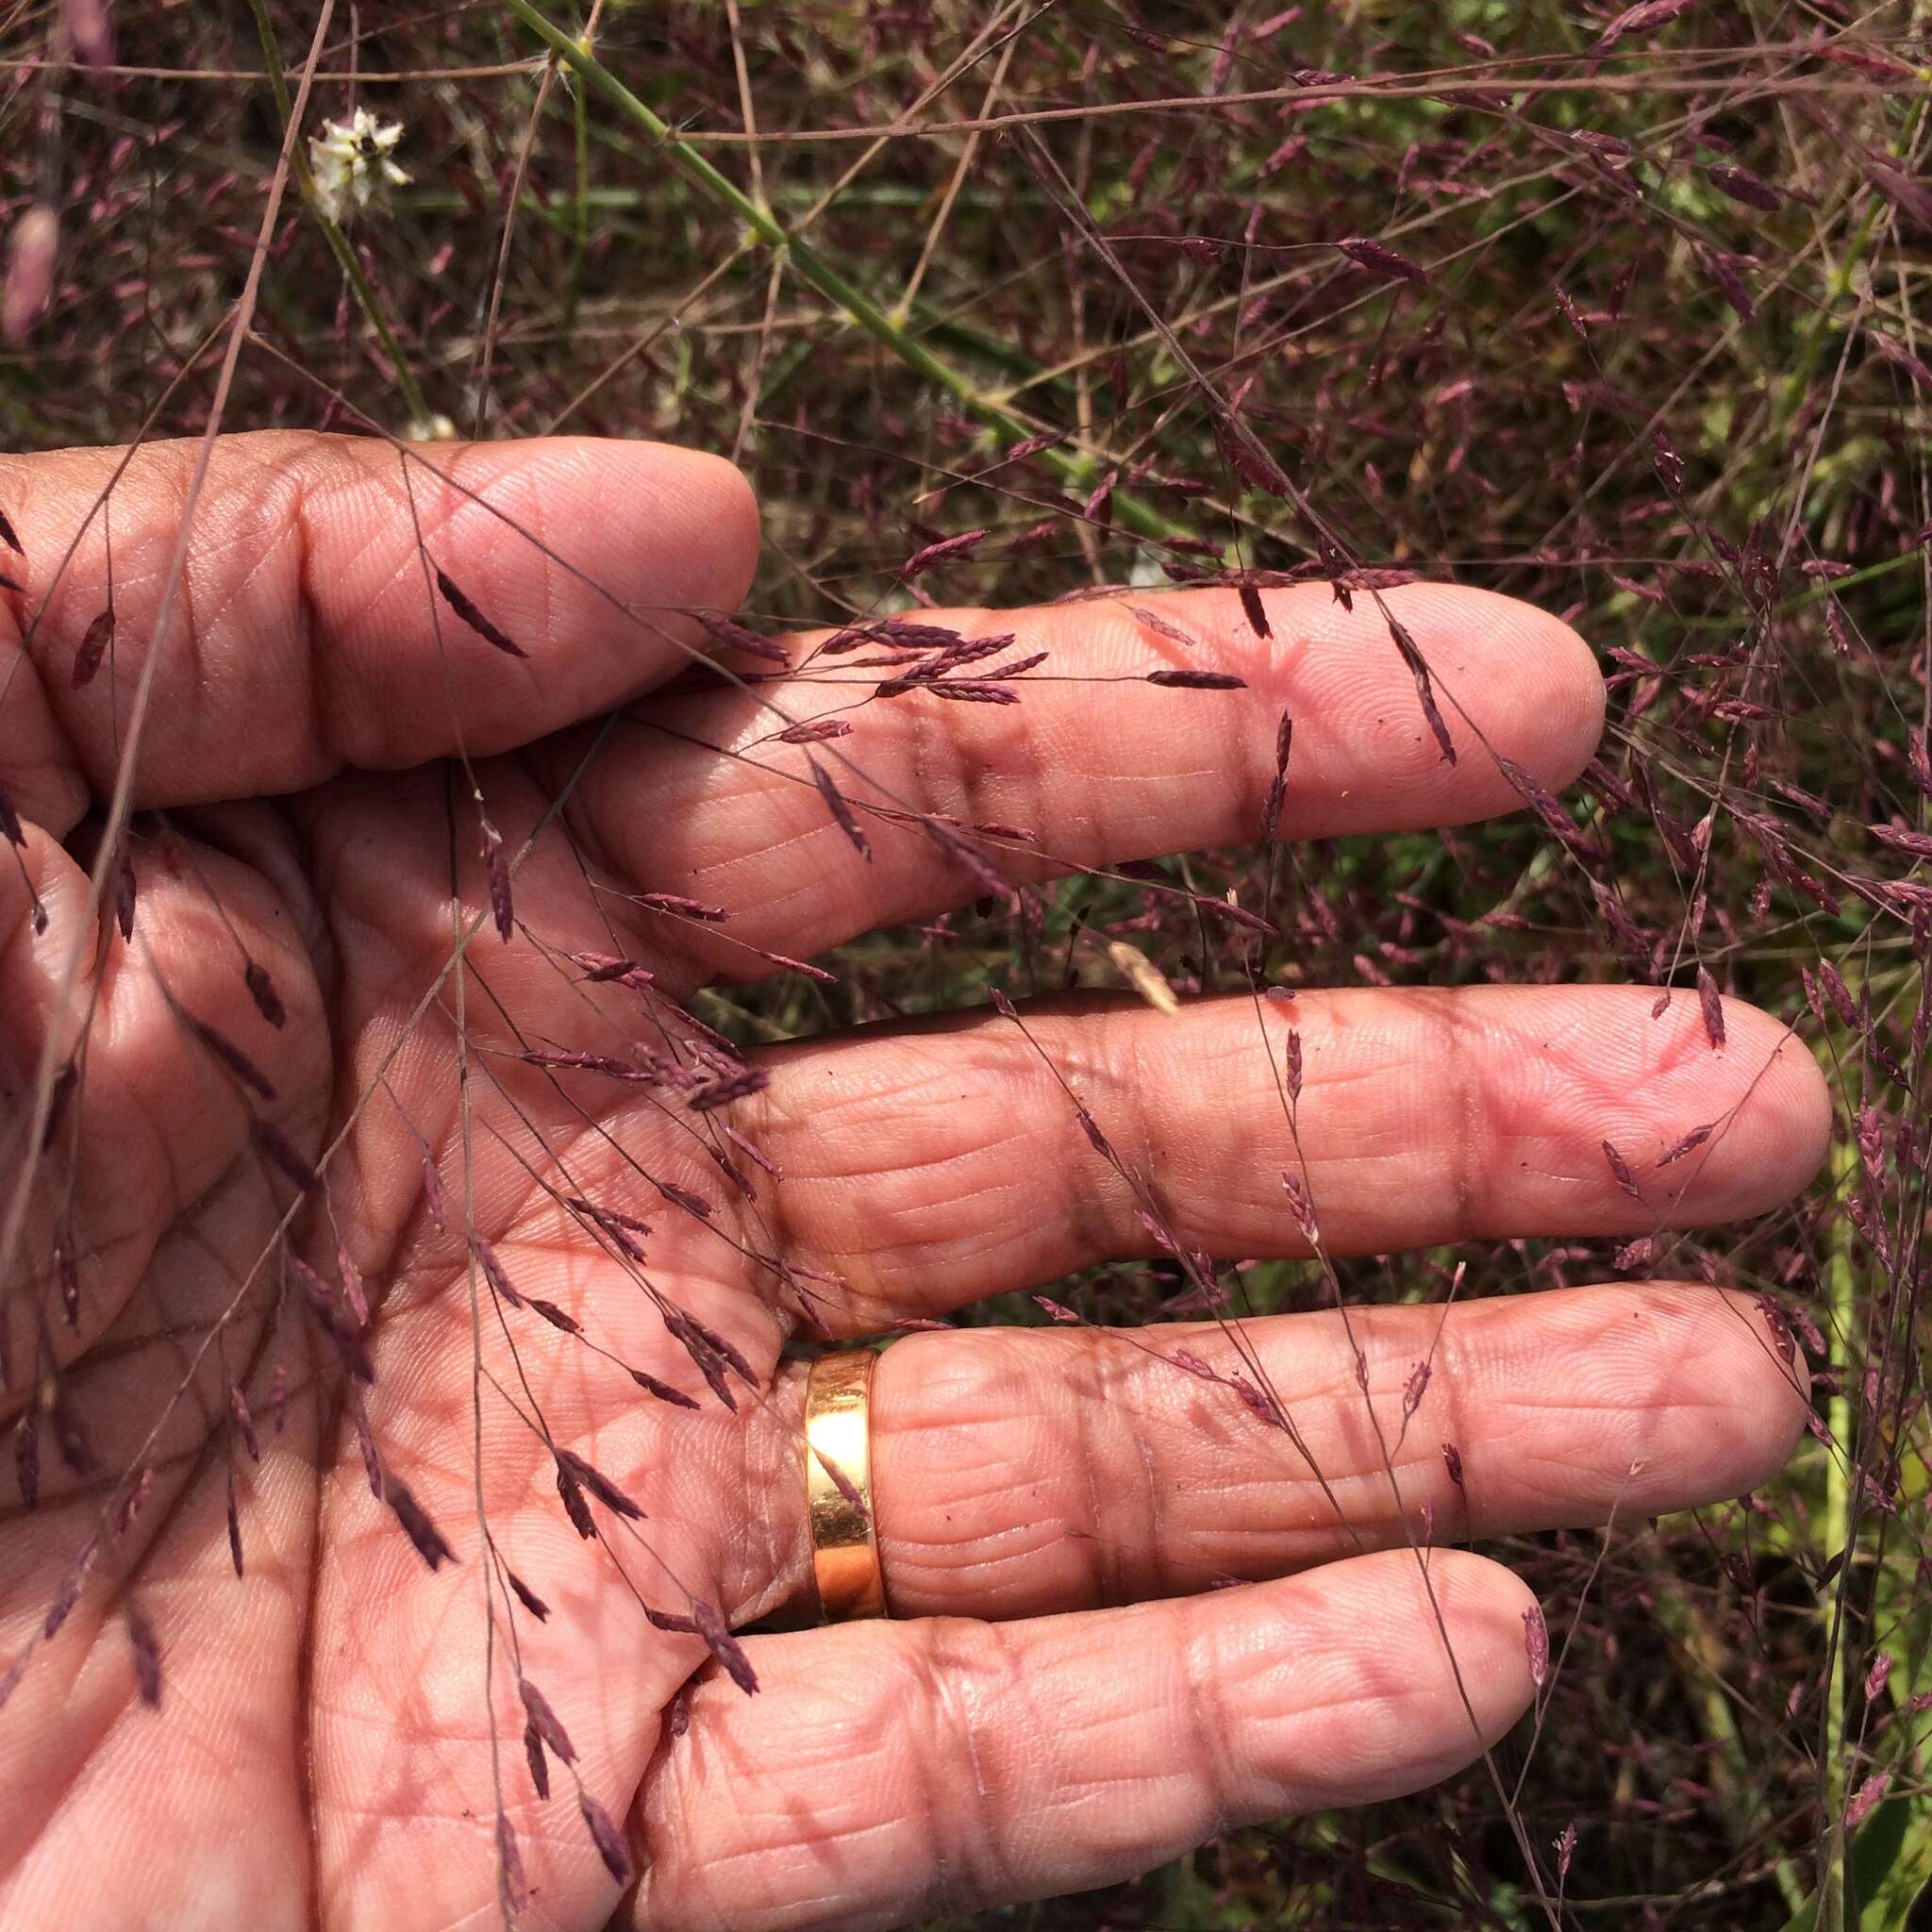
(339, 243)
(1798, 381)
(1800, 600)
(1702, 1676)
(765, 227)
(1841, 1294)
(580, 238)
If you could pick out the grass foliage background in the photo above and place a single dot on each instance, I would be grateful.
(1658, 365)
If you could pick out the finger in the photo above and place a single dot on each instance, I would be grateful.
(926, 1166)
(889, 1770)
(1021, 1472)
(305, 636)
(1096, 763)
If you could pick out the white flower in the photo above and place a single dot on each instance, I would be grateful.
(351, 160)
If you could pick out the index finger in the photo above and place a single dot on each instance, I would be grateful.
(306, 636)
(1102, 753)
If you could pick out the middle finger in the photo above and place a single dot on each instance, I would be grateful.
(928, 1165)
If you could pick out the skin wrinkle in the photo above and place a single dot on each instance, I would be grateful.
(977, 1244)
(1106, 1199)
(1090, 1811)
(1117, 1075)
(469, 469)
(512, 496)
(1034, 1541)
(277, 501)
(187, 612)
(1251, 754)
(770, 1461)
(1092, 1379)
(1458, 1372)
(843, 1767)
(720, 955)
(326, 724)
(903, 1103)
(1210, 1721)
(62, 700)
(358, 497)
(770, 1554)
(913, 1167)
(1157, 1525)
(537, 518)
(436, 517)
(1115, 1418)
(944, 1661)
(1454, 1374)
(1461, 1070)
(837, 1896)
(926, 1541)
(733, 798)
(1000, 784)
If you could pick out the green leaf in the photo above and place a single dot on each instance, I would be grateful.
(1890, 1865)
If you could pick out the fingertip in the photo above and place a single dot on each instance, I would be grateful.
(1808, 1104)
(696, 510)
(1399, 1675)
(1528, 681)
(584, 557)
(1717, 1123)
(1783, 1123)
(1754, 1360)
(739, 520)
(647, 526)
(1496, 1636)
(1676, 1395)
(1507, 683)
(1577, 699)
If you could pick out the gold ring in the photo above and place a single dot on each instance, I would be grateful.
(837, 1486)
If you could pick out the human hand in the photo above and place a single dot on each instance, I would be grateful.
(1059, 1699)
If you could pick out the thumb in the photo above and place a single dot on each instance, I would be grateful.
(311, 633)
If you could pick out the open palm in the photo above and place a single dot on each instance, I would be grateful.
(585, 1235)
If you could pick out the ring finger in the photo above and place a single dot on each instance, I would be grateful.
(1024, 1471)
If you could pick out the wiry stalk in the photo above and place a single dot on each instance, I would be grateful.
(837, 288)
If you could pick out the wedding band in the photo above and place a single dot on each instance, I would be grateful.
(844, 1532)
